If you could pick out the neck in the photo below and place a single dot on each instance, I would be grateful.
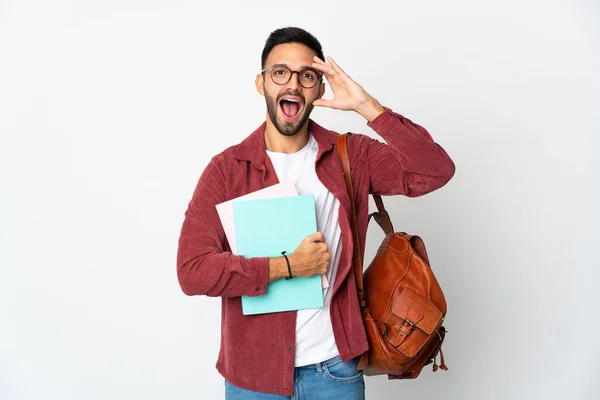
(279, 143)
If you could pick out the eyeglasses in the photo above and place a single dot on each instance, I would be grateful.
(280, 74)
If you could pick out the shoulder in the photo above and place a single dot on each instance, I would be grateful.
(358, 145)
(234, 154)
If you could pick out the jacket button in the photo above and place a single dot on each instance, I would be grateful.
(257, 288)
(288, 347)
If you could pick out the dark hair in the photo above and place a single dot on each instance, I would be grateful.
(290, 35)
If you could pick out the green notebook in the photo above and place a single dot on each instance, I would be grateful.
(265, 228)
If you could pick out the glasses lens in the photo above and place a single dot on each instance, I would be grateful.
(280, 75)
(308, 78)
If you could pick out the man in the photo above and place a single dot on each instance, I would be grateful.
(308, 354)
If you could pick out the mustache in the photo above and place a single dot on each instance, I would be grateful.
(297, 94)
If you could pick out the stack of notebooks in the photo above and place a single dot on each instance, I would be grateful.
(264, 224)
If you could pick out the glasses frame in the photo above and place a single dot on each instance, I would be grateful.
(320, 75)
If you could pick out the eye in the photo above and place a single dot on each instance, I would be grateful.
(280, 71)
(309, 75)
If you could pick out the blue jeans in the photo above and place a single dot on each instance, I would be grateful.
(331, 380)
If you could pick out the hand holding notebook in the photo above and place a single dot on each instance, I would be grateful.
(225, 211)
(268, 227)
(311, 257)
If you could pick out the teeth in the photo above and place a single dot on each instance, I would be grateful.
(292, 100)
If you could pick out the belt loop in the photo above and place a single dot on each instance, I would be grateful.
(319, 367)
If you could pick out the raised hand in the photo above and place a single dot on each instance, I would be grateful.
(348, 95)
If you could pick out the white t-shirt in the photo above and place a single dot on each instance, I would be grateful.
(314, 334)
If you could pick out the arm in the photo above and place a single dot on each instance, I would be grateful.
(278, 267)
(411, 163)
(203, 267)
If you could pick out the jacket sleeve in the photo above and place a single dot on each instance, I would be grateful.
(411, 163)
(203, 266)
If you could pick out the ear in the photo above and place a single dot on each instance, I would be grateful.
(321, 90)
(260, 82)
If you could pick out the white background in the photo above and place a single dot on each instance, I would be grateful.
(110, 110)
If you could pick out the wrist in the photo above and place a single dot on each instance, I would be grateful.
(278, 268)
(370, 109)
(289, 266)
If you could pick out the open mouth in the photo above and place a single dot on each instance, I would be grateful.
(291, 107)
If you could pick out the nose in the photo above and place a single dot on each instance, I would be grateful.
(294, 82)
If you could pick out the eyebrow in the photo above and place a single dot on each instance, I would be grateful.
(301, 68)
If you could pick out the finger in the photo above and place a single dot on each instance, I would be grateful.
(333, 66)
(323, 268)
(324, 103)
(321, 63)
(316, 237)
(326, 69)
(336, 67)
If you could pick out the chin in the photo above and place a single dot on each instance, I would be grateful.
(291, 128)
(288, 125)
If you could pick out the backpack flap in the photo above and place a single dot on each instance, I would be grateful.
(414, 318)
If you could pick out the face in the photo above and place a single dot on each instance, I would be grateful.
(289, 105)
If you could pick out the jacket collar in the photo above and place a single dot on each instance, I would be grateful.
(253, 148)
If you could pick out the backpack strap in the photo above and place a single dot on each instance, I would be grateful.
(382, 217)
(357, 262)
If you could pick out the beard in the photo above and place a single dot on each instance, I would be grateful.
(287, 128)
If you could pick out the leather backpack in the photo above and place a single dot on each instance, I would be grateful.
(402, 304)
